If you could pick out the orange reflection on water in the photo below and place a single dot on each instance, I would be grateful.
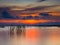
(33, 34)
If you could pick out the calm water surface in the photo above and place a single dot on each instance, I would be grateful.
(30, 35)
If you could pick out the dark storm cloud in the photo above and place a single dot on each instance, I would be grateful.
(41, 0)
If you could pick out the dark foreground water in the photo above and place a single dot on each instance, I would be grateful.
(29, 35)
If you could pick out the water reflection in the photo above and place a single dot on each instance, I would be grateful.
(29, 35)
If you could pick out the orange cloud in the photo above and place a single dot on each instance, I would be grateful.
(55, 13)
(32, 21)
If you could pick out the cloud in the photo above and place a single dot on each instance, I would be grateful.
(40, 0)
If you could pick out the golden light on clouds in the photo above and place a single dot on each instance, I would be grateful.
(55, 13)
(29, 22)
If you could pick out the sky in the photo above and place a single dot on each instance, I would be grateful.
(32, 3)
(28, 2)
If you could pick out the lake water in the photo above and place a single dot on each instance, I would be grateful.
(30, 35)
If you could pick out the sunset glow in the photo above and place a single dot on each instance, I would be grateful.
(33, 33)
(26, 21)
